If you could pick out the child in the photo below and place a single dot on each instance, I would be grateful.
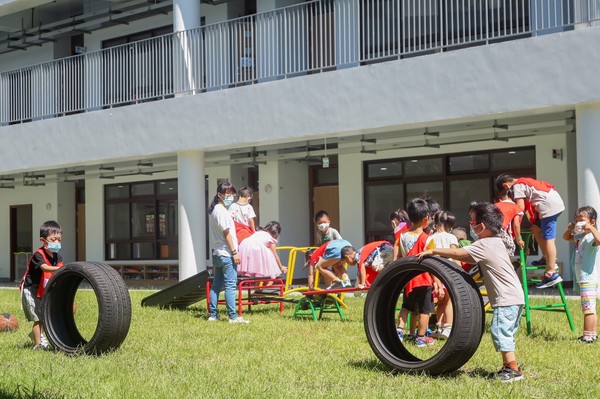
(258, 256)
(400, 224)
(587, 258)
(511, 225)
(45, 261)
(547, 206)
(370, 260)
(418, 293)
(461, 235)
(504, 288)
(225, 254)
(443, 222)
(325, 233)
(329, 255)
(243, 214)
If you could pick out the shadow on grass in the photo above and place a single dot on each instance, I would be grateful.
(377, 366)
(21, 392)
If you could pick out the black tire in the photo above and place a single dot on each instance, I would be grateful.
(380, 311)
(114, 308)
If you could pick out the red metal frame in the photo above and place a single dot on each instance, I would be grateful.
(248, 285)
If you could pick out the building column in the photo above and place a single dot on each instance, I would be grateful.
(588, 141)
(186, 16)
(192, 213)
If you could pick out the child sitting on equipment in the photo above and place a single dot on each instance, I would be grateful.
(503, 286)
(258, 256)
(587, 258)
(243, 214)
(327, 259)
(370, 260)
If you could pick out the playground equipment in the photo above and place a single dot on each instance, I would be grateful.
(380, 312)
(114, 308)
(317, 302)
(180, 295)
(254, 291)
(563, 306)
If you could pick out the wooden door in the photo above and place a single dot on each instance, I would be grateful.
(327, 198)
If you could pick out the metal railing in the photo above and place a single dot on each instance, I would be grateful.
(310, 37)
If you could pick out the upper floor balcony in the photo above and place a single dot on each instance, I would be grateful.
(312, 37)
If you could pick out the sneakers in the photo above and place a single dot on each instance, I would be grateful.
(400, 335)
(336, 284)
(421, 342)
(587, 340)
(549, 281)
(346, 284)
(509, 375)
(41, 347)
(442, 333)
(213, 318)
(540, 262)
(239, 320)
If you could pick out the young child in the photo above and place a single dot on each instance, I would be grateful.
(329, 256)
(258, 256)
(45, 261)
(511, 225)
(370, 260)
(547, 206)
(587, 260)
(243, 214)
(504, 288)
(325, 232)
(461, 235)
(443, 222)
(400, 224)
(418, 293)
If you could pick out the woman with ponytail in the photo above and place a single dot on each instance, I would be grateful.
(225, 255)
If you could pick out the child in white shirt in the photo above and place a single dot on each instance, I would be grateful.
(242, 212)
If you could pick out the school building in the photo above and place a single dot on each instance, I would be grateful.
(118, 118)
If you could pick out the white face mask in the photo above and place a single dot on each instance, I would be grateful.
(323, 226)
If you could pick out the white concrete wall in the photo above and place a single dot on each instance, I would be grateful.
(66, 214)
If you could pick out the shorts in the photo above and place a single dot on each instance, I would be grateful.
(31, 304)
(420, 300)
(548, 226)
(588, 293)
(505, 324)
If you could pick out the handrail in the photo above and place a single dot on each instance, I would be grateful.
(310, 37)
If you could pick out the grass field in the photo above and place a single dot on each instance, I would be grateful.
(178, 354)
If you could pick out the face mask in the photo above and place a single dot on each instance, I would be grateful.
(227, 201)
(54, 246)
(323, 226)
(473, 234)
(578, 236)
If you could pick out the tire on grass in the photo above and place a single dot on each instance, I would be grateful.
(114, 308)
(380, 312)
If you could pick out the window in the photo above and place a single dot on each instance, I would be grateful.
(141, 220)
(453, 180)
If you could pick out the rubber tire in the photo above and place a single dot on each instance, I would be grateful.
(380, 312)
(114, 308)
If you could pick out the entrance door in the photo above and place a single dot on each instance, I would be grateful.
(21, 245)
(325, 196)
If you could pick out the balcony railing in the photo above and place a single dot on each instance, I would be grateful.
(307, 38)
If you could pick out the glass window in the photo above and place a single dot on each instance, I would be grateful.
(117, 191)
(142, 189)
(513, 159)
(382, 200)
(423, 167)
(117, 221)
(466, 163)
(167, 219)
(144, 250)
(118, 251)
(167, 187)
(434, 189)
(462, 193)
(143, 221)
(384, 169)
(326, 176)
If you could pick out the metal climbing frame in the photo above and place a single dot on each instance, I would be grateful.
(552, 307)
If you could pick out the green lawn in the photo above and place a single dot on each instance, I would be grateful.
(178, 354)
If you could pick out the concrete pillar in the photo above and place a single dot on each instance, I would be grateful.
(186, 16)
(192, 213)
(588, 141)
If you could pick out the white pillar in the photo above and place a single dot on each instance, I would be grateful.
(192, 213)
(186, 16)
(588, 142)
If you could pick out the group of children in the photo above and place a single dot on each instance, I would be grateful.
(238, 248)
